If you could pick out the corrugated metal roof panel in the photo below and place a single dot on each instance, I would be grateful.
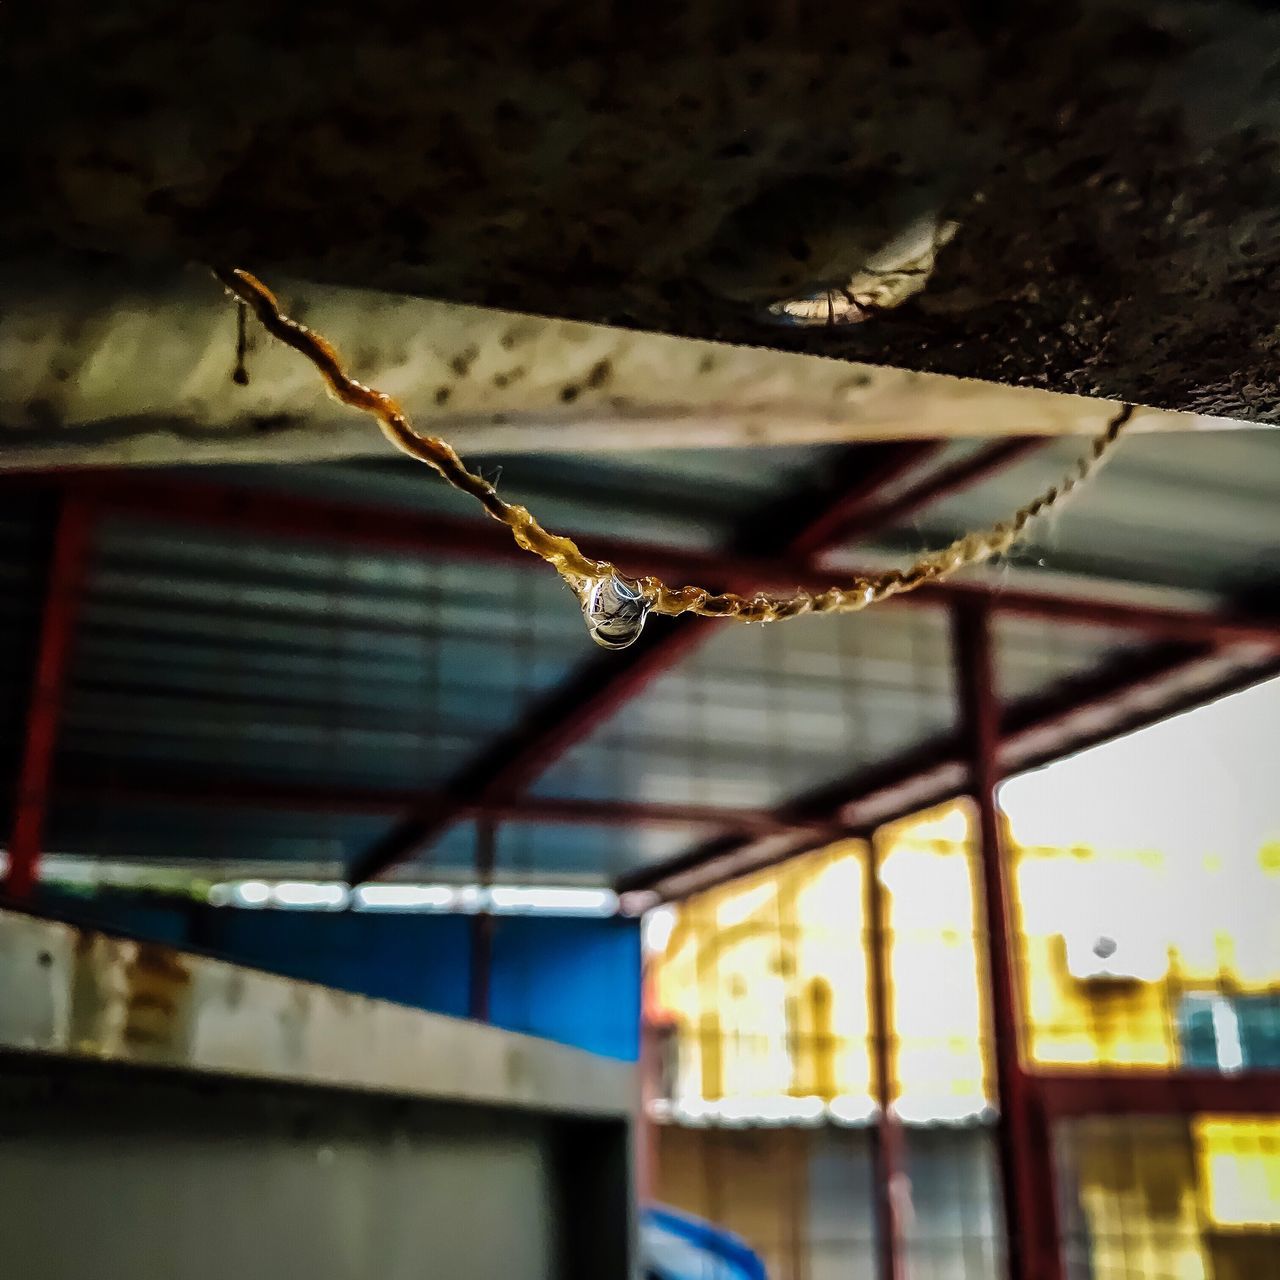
(227, 843)
(1196, 511)
(205, 653)
(761, 712)
(228, 658)
(220, 840)
(26, 527)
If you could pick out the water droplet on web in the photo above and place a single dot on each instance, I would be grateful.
(615, 610)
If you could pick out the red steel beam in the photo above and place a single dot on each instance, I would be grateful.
(852, 497)
(968, 471)
(71, 538)
(569, 713)
(218, 506)
(1125, 694)
(1164, 682)
(721, 859)
(1025, 1176)
(1149, 1093)
(398, 531)
(199, 503)
(1157, 622)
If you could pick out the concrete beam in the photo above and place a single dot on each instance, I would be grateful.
(1095, 185)
(112, 369)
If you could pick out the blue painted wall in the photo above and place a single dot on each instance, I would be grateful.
(146, 917)
(415, 960)
(573, 980)
(576, 981)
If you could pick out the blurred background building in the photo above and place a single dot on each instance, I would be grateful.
(1146, 880)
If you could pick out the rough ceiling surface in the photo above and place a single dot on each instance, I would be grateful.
(1111, 169)
(118, 368)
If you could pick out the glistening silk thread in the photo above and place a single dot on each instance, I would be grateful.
(615, 607)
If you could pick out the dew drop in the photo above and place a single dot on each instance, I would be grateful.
(615, 611)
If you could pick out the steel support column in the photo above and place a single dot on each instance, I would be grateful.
(892, 1185)
(44, 710)
(1025, 1172)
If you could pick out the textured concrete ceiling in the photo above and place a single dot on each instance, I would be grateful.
(1109, 174)
(119, 369)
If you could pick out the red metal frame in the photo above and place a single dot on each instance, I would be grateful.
(1129, 692)
(1026, 1177)
(593, 693)
(1203, 656)
(1139, 1092)
(1131, 695)
(851, 499)
(48, 686)
(1124, 695)
(201, 503)
(987, 461)
(599, 688)
(568, 714)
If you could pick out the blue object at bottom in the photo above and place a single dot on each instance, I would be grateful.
(674, 1246)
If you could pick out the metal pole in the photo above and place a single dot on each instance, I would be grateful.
(482, 927)
(1025, 1169)
(892, 1185)
(48, 686)
(646, 1134)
